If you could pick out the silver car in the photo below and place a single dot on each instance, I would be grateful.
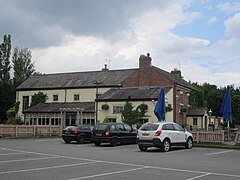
(163, 135)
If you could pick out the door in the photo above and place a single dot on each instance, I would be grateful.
(180, 133)
(121, 133)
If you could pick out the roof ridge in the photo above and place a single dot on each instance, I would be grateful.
(83, 72)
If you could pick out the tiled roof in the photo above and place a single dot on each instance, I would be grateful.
(107, 78)
(134, 93)
(174, 78)
(55, 107)
(201, 111)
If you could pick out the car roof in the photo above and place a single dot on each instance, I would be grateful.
(160, 123)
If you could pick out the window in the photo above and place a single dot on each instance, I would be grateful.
(112, 120)
(181, 98)
(168, 127)
(55, 97)
(195, 121)
(127, 127)
(143, 121)
(119, 127)
(25, 102)
(178, 128)
(117, 109)
(76, 97)
(112, 128)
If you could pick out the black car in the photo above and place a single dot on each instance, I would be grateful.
(80, 133)
(113, 133)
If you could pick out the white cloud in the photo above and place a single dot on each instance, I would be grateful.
(151, 32)
(213, 20)
(232, 26)
(229, 7)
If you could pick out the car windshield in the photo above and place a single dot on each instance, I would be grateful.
(149, 127)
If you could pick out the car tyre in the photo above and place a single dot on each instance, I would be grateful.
(114, 142)
(189, 143)
(143, 148)
(67, 141)
(166, 145)
(97, 143)
(81, 139)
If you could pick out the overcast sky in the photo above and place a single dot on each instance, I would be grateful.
(201, 37)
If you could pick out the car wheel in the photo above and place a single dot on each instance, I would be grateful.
(166, 145)
(114, 142)
(81, 140)
(97, 143)
(143, 148)
(189, 143)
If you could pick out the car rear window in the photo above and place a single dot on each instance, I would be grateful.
(149, 127)
(100, 127)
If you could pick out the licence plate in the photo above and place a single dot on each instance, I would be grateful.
(145, 134)
(67, 132)
(98, 134)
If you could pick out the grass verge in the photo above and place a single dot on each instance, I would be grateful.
(210, 145)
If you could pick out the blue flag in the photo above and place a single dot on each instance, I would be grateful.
(160, 108)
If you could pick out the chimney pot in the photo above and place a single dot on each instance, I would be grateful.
(145, 61)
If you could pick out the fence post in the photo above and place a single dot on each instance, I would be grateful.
(197, 136)
(16, 133)
(34, 130)
(50, 129)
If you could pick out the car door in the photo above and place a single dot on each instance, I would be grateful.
(130, 135)
(121, 133)
(85, 131)
(180, 133)
(170, 132)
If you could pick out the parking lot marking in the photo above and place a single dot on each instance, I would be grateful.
(46, 168)
(199, 176)
(110, 173)
(7, 154)
(221, 152)
(30, 152)
(110, 162)
(29, 159)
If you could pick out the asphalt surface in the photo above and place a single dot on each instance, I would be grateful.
(47, 158)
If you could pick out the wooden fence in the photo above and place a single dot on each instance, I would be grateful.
(237, 138)
(206, 136)
(29, 130)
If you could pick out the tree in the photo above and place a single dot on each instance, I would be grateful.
(5, 52)
(236, 108)
(11, 114)
(37, 98)
(131, 116)
(22, 65)
(197, 97)
(6, 91)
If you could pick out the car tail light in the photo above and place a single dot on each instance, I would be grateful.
(107, 133)
(158, 133)
(75, 131)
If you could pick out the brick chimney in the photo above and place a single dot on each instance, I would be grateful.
(145, 61)
(177, 72)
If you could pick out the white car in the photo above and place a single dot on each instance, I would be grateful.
(163, 135)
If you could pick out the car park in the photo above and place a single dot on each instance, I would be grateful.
(81, 133)
(114, 133)
(163, 135)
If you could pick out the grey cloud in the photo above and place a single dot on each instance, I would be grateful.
(40, 23)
